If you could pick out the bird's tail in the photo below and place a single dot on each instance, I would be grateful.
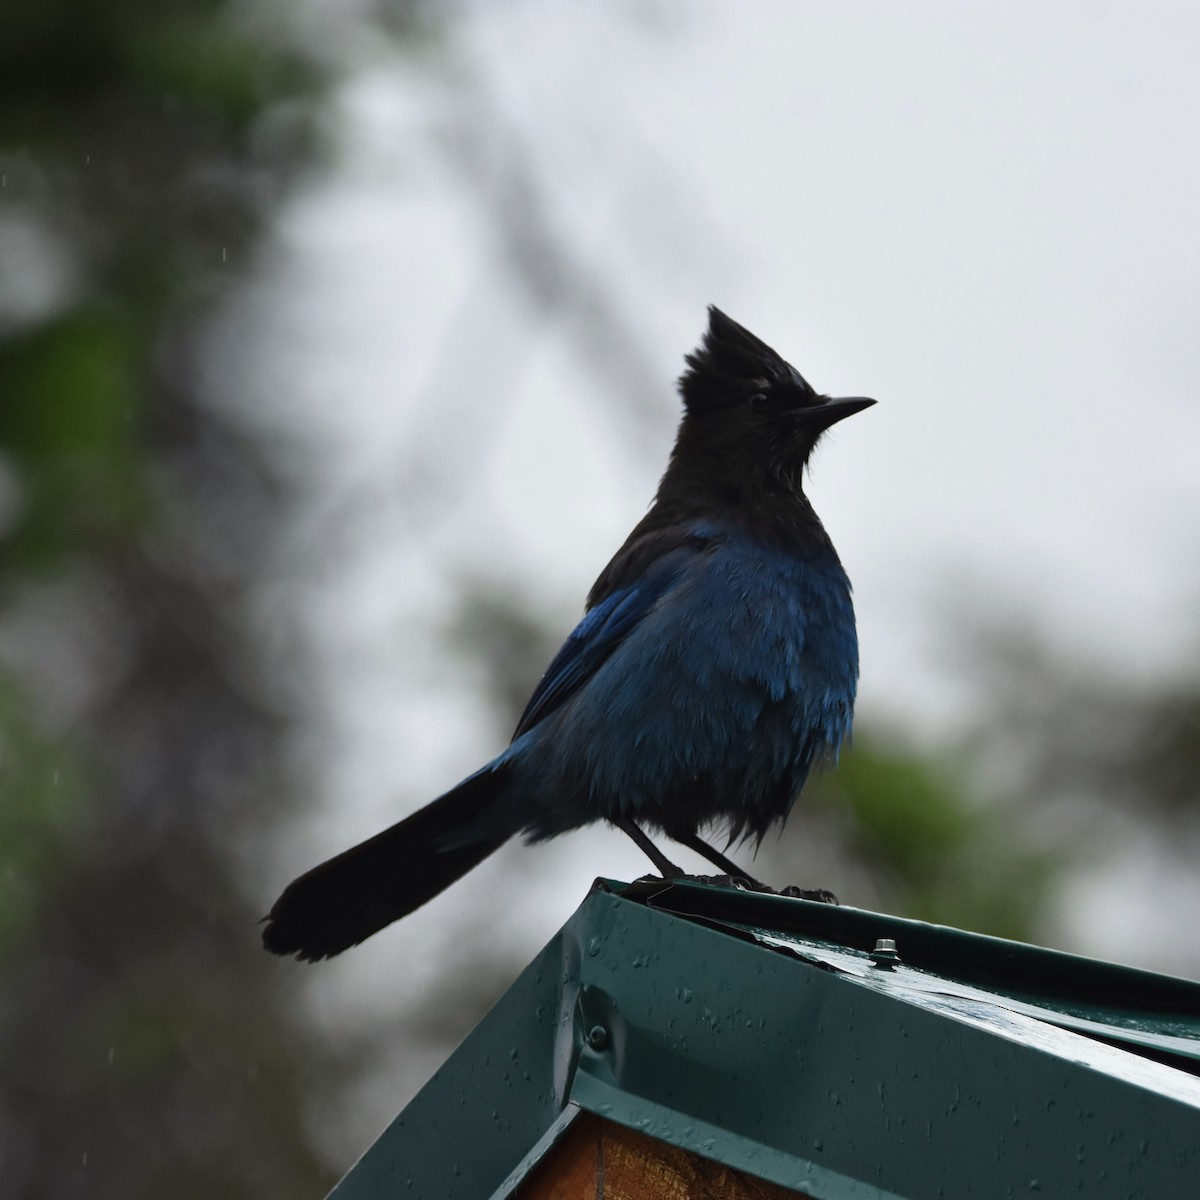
(343, 901)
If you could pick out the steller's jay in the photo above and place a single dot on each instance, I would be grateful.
(717, 660)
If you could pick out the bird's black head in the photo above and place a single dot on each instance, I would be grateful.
(743, 401)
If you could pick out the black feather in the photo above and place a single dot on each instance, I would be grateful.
(730, 365)
(345, 900)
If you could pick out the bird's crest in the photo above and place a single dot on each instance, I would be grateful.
(728, 364)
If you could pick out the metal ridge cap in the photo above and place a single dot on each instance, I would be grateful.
(1021, 969)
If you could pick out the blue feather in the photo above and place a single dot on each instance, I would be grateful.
(603, 628)
(724, 675)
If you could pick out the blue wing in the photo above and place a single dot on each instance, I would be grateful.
(609, 622)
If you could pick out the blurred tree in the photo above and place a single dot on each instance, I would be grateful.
(1071, 729)
(143, 1049)
(915, 835)
(1103, 763)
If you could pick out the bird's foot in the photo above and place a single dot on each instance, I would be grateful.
(820, 895)
(742, 883)
(747, 883)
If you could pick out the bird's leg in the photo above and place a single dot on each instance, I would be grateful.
(693, 841)
(666, 868)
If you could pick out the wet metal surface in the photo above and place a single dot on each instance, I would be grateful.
(947, 1065)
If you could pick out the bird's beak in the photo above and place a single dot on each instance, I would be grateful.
(835, 408)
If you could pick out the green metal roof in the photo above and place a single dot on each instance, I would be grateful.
(763, 1032)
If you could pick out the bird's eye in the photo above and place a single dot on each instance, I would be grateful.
(758, 400)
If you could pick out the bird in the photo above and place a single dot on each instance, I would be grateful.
(716, 663)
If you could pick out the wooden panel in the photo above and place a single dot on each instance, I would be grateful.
(597, 1160)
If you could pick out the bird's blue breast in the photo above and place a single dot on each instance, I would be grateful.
(739, 674)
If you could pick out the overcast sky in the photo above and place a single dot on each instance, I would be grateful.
(984, 215)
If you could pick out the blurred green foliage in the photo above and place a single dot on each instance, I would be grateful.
(145, 1048)
(41, 793)
(58, 58)
(936, 849)
(71, 431)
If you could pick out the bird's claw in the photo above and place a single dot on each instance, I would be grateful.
(820, 895)
(740, 883)
(747, 883)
